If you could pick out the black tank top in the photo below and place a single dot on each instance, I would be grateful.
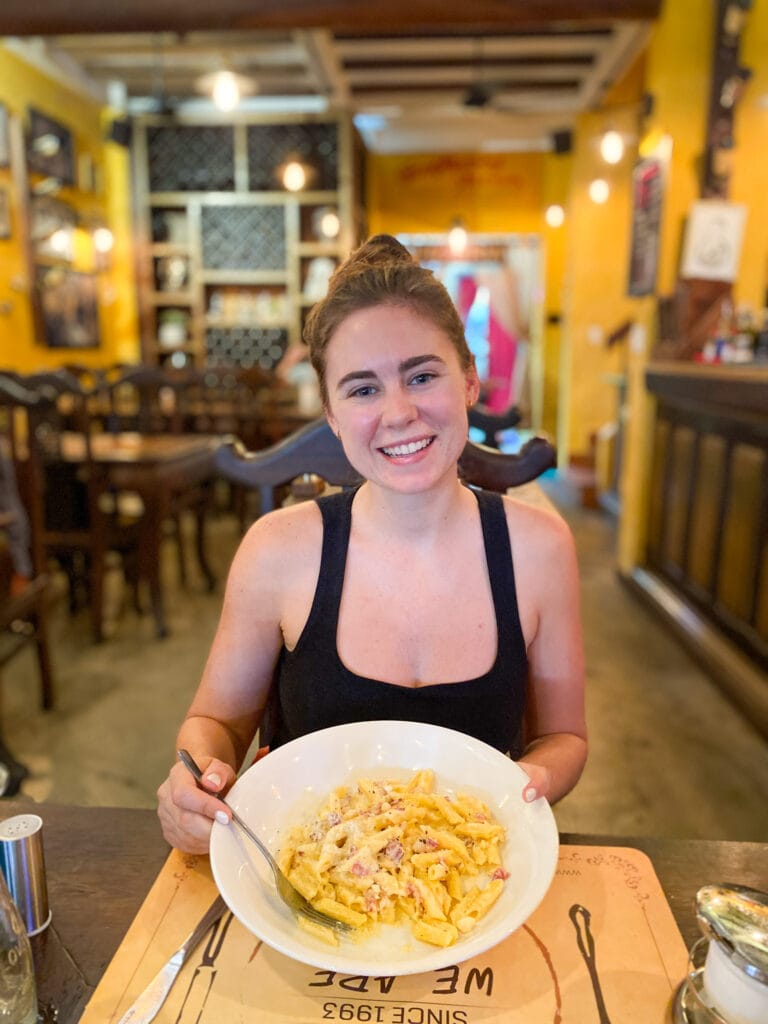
(315, 690)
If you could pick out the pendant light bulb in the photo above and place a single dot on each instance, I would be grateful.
(554, 215)
(457, 239)
(294, 176)
(226, 90)
(599, 190)
(103, 240)
(612, 147)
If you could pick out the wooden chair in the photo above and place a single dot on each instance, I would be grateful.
(315, 451)
(23, 612)
(142, 399)
(151, 400)
(23, 621)
(73, 516)
(492, 423)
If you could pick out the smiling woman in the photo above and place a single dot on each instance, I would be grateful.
(411, 598)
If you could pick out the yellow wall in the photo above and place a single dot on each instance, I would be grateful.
(678, 71)
(489, 192)
(21, 86)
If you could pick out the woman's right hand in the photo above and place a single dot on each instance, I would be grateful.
(186, 811)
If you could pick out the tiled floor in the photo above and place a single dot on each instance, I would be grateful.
(669, 754)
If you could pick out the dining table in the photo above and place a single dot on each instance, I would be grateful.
(101, 862)
(160, 468)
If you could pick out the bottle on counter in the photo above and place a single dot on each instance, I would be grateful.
(743, 345)
(18, 992)
(761, 339)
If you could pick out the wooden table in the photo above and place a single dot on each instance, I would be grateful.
(101, 863)
(159, 468)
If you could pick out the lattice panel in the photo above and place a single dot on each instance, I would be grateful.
(245, 346)
(243, 237)
(190, 158)
(271, 146)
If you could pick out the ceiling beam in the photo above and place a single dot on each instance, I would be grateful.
(49, 17)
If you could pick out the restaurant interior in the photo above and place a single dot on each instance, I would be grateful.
(176, 188)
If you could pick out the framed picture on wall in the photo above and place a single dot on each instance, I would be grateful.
(49, 148)
(67, 307)
(5, 213)
(713, 237)
(5, 144)
(647, 191)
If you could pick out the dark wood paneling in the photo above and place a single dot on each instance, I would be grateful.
(708, 514)
(46, 17)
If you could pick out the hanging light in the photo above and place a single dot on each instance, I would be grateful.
(61, 241)
(294, 176)
(599, 190)
(103, 240)
(457, 238)
(554, 215)
(612, 147)
(326, 224)
(226, 88)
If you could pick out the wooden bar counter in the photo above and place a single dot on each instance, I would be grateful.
(707, 553)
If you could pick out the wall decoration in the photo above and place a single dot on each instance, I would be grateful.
(5, 214)
(5, 144)
(67, 307)
(50, 148)
(712, 243)
(647, 190)
(49, 216)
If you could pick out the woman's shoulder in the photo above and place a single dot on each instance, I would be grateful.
(281, 541)
(291, 526)
(541, 526)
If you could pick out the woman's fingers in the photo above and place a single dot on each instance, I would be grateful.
(187, 811)
(539, 781)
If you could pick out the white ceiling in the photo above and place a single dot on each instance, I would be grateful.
(408, 93)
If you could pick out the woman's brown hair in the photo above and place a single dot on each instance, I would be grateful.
(381, 272)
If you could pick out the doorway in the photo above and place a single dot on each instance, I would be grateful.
(497, 287)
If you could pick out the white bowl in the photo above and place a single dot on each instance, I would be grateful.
(287, 787)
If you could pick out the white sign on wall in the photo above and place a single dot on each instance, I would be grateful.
(713, 237)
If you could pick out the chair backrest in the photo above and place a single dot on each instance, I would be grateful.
(216, 401)
(61, 498)
(316, 450)
(142, 399)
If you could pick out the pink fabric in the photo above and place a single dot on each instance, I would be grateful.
(502, 348)
(466, 296)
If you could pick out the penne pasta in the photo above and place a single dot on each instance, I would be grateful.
(386, 852)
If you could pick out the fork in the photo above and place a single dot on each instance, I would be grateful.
(290, 895)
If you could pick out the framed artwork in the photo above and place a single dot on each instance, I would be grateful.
(49, 215)
(5, 144)
(5, 214)
(67, 307)
(713, 236)
(49, 148)
(647, 191)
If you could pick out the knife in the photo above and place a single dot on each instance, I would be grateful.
(147, 1006)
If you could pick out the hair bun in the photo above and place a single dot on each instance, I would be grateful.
(380, 249)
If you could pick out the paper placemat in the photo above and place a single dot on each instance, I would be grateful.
(602, 947)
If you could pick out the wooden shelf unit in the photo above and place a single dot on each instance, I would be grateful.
(234, 257)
